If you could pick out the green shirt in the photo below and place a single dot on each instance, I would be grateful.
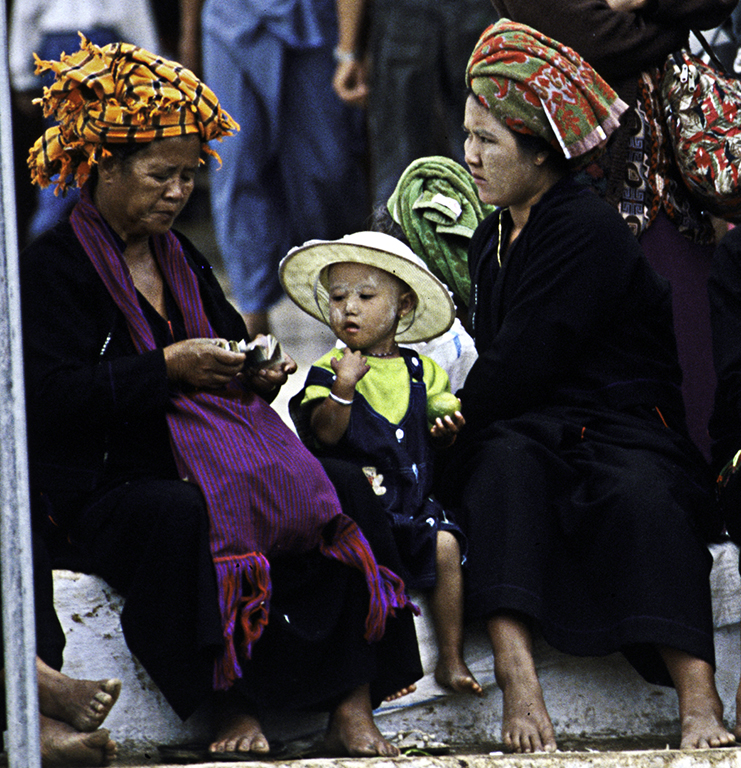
(386, 385)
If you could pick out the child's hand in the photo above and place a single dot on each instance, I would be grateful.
(350, 368)
(444, 431)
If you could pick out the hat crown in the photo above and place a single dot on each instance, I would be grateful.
(303, 276)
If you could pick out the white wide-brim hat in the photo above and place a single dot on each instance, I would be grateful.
(303, 274)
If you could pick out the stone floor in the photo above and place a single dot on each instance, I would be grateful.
(711, 758)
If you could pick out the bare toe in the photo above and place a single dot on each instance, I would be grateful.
(526, 725)
(62, 745)
(401, 693)
(457, 677)
(237, 730)
(352, 730)
(705, 730)
(83, 704)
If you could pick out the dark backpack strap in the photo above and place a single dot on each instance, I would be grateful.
(712, 55)
(414, 363)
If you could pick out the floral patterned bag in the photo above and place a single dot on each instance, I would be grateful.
(702, 108)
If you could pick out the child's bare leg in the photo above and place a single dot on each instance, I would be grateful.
(526, 724)
(83, 704)
(353, 731)
(700, 707)
(446, 607)
(236, 729)
(62, 745)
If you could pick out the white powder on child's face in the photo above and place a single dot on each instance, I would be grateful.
(366, 295)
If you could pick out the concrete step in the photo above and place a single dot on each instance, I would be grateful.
(588, 698)
(711, 758)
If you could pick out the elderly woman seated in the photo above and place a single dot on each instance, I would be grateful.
(156, 449)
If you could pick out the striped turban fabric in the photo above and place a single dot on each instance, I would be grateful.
(536, 85)
(117, 94)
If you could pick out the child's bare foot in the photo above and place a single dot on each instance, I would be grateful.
(401, 693)
(454, 674)
(62, 745)
(83, 704)
(237, 730)
(352, 730)
(526, 724)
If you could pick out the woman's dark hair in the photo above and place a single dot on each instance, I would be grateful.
(122, 152)
(533, 145)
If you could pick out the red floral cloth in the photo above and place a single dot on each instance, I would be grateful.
(536, 85)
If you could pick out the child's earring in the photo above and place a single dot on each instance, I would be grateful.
(409, 311)
(406, 305)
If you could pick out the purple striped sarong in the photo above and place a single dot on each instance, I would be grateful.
(265, 493)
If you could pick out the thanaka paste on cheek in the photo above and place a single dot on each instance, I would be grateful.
(371, 280)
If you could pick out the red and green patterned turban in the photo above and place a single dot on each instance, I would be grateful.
(115, 95)
(536, 85)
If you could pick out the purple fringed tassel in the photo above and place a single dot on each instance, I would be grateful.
(232, 575)
(387, 590)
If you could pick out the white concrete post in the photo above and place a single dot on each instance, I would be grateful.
(19, 634)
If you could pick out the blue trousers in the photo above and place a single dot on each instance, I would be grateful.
(294, 171)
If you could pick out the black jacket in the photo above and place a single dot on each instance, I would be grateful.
(574, 316)
(95, 406)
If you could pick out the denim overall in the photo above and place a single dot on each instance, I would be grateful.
(397, 460)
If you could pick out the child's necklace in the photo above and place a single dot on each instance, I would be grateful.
(383, 354)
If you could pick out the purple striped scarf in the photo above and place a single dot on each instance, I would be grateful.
(266, 494)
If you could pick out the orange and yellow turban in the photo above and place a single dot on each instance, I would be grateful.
(114, 95)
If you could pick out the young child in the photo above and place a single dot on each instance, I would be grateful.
(366, 402)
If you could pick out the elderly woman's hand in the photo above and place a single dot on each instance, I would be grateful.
(201, 363)
(267, 380)
(627, 6)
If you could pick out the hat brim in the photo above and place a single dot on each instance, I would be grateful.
(301, 272)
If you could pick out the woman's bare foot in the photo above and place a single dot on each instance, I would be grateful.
(526, 724)
(83, 704)
(702, 722)
(236, 729)
(401, 693)
(352, 730)
(700, 706)
(453, 673)
(62, 745)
